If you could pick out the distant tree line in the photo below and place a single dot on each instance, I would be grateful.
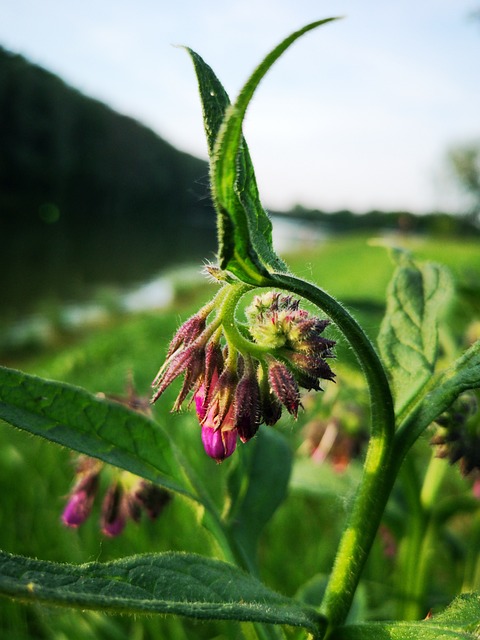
(345, 221)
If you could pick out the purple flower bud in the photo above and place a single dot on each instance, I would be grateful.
(271, 407)
(213, 365)
(220, 405)
(284, 386)
(191, 356)
(190, 330)
(247, 416)
(151, 498)
(219, 443)
(79, 505)
(200, 404)
(312, 365)
(114, 516)
(192, 375)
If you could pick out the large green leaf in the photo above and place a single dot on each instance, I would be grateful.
(176, 583)
(262, 489)
(408, 338)
(244, 228)
(460, 621)
(72, 417)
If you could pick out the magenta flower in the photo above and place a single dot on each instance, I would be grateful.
(219, 443)
(82, 496)
(80, 504)
(127, 495)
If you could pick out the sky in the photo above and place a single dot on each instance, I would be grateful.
(358, 114)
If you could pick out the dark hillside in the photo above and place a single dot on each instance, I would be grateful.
(86, 194)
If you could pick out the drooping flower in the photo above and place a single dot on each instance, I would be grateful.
(241, 377)
(458, 438)
(126, 496)
(82, 496)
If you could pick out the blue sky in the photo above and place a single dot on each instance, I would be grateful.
(358, 114)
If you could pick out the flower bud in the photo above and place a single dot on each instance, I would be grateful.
(284, 386)
(151, 498)
(459, 436)
(190, 330)
(114, 516)
(79, 505)
(312, 365)
(247, 405)
(220, 403)
(82, 496)
(190, 357)
(219, 443)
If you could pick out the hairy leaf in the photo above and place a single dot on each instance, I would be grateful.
(460, 621)
(175, 583)
(408, 338)
(263, 490)
(72, 417)
(244, 228)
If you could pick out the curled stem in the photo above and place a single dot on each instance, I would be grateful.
(378, 478)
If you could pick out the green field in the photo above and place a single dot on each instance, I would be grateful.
(35, 476)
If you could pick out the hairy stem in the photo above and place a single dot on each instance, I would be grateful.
(378, 476)
(417, 548)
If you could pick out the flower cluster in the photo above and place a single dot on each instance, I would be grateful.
(242, 376)
(458, 438)
(126, 496)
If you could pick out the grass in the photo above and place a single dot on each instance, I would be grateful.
(349, 268)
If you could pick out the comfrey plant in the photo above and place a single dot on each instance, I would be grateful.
(245, 383)
(239, 373)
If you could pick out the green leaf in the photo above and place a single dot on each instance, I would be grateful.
(263, 489)
(444, 388)
(408, 338)
(174, 583)
(322, 481)
(72, 417)
(244, 228)
(461, 621)
(231, 229)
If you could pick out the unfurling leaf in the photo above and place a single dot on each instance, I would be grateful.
(244, 228)
(408, 338)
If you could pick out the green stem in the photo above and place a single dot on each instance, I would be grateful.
(410, 548)
(378, 477)
(471, 580)
(417, 551)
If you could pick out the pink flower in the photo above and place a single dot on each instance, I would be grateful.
(219, 443)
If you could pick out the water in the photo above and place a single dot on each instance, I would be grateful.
(152, 292)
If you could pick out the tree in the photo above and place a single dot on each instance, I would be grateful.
(465, 163)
